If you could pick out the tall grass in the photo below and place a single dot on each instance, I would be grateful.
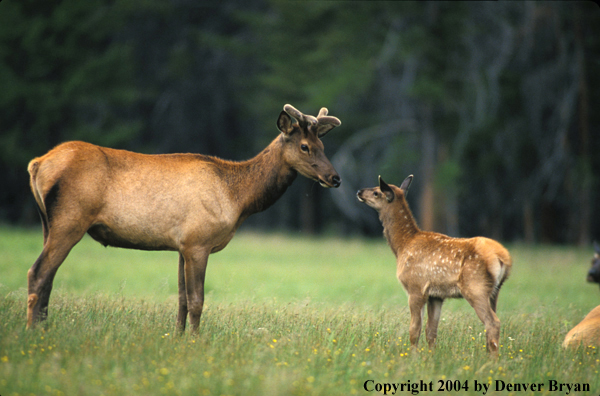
(284, 315)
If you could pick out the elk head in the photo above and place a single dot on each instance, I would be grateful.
(594, 272)
(303, 149)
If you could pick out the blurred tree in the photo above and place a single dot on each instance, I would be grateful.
(190, 68)
(312, 55)
(416, 92)
(64, 76)
(489, 104)
(488, 93)
(525, 114)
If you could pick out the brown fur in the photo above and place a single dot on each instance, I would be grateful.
(432, 267)
(586, 333)
(189, 203)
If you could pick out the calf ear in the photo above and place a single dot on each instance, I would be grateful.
(284, 123)
(596, 247)
(406, 184)
(387, 190)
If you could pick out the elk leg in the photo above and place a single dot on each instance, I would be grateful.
(44, 295)
(183, 307)
(416, 305)
(195, 270)
(41, 275)
(486, 314)
(434, 309)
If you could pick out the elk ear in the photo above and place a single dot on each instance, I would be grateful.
(387, 190)
(326, 124)
(284, 123)
(323, 129)
(596, 247)
(406, 184)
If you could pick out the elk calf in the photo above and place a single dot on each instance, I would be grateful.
(432, 267)
(189, 203)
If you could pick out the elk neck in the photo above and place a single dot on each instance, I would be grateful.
(259, 182)
(399, 225)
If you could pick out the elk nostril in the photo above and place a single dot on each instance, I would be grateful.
(336, 181)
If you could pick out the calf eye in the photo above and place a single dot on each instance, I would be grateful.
(376, 194)
(304, 148)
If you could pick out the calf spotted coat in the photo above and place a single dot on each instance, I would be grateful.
(432, 267)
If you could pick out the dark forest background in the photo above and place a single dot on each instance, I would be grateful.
(493, 106)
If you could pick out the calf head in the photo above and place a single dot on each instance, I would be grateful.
(383, 196)
(303, 150)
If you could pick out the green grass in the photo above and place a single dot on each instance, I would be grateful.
(285, 315)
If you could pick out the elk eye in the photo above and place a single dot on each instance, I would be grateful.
(376, 194)
(304, 148)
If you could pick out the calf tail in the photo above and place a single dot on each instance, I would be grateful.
(506, 263)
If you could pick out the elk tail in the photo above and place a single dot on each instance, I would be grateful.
(33, 169)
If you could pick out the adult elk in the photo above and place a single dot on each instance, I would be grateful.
(189, 203)
(432, 267)
(587, 332)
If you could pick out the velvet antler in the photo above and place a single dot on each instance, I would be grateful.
(321, 124)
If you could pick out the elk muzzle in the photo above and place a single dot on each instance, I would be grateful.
(359, 196)
(322, 171)
(332, 180)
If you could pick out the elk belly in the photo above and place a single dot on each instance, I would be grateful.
(443, 290)
(107, 237)
(442, 280)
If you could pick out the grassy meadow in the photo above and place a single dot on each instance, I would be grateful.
(284, 315)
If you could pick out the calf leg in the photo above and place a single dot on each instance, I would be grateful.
(195, 261)
(434, 309)
(416, 305)
(481, 304)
